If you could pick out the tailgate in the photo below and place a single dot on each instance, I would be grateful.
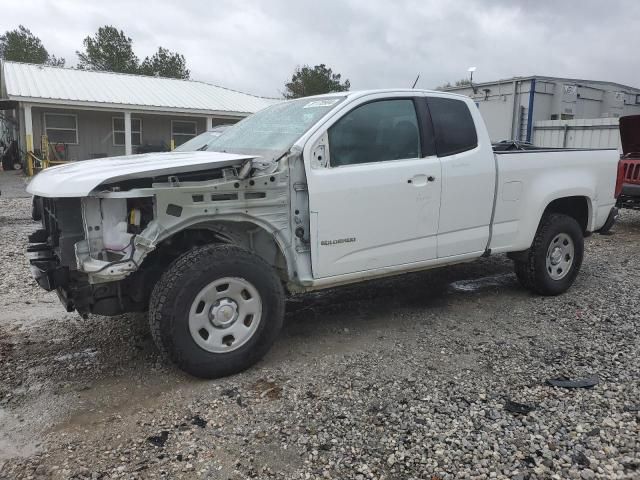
(631, 171)
(630, 136)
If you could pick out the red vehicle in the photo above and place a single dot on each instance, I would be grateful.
(628, 185)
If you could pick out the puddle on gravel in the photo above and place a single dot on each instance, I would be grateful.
(99, 402)
(482, 283)
(11, 443)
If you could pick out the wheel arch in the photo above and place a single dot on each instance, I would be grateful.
(578, 207)
(259, 237)
(535, 266)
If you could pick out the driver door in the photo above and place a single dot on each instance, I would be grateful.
(376, 203)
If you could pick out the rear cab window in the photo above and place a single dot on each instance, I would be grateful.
(453, 125)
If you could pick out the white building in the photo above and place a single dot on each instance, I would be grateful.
(513, 108)
(85, 114)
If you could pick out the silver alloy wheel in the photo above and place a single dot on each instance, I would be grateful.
(225, 314)
(560, 256)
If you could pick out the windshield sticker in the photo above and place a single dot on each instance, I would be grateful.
(322, 103)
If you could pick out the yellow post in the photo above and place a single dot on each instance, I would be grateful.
(44, 149)
(173, 144)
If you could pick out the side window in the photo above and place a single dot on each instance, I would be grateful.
(375, 132)
(453, 126)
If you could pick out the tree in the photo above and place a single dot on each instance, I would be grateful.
(459, 83)
(165, 63)
(55, 61)
(21, 45)
(307, 81)
(109, 49)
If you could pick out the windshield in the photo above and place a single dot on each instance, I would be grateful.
(202, 141)
(272, 131)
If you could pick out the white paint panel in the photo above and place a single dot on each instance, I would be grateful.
(546, 176)
(387, 220)
(468, 187)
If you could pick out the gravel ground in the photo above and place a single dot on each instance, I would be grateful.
(408, 378)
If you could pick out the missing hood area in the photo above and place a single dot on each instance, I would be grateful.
(124, 220)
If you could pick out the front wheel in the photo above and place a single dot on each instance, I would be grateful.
(554, 259)
(216, 311)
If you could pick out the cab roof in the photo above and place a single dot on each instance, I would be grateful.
(352, 94)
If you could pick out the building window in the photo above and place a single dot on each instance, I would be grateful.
(61, 128)
(182, 130)
(118, 131)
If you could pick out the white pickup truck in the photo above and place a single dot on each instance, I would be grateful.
(307, 194)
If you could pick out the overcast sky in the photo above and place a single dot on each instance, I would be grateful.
(253, 45)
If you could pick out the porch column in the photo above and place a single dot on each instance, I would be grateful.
(28, 127)
(209, 125)
(16, 116)
(127, 134)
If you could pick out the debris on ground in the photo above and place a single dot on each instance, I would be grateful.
(563, 382)
(198, 421)
(519, 408)
(159, 440)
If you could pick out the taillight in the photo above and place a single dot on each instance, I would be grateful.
(619, 179)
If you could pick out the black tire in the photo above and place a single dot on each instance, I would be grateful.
(173, 295)
(532, 270)
(36, 210)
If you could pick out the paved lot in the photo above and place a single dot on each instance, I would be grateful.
(405, 378)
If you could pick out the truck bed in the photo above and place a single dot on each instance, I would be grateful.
(525, 179)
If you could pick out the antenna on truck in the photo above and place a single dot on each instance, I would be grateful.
(414, 83)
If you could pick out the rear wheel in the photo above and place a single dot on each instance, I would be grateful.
(216, 311)
(553, 261)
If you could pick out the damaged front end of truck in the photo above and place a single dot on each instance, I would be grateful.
(109, 232)
(89, 246)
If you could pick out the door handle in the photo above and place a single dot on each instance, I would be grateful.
(421, 180)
